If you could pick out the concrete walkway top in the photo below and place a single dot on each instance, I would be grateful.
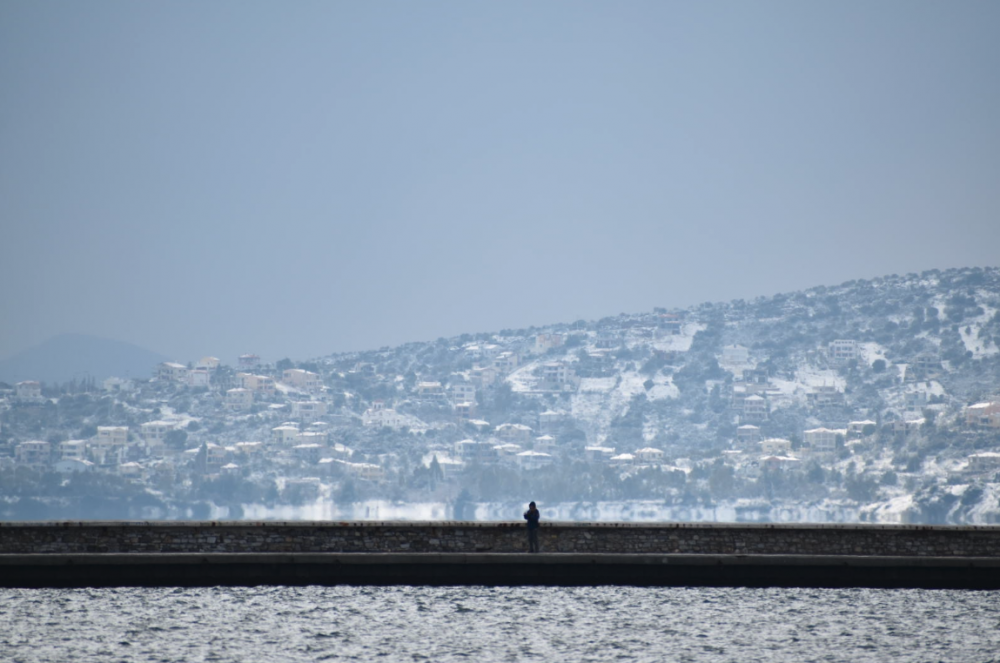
(488, 559)
(451, 524)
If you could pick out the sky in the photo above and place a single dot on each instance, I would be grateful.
(298, 179)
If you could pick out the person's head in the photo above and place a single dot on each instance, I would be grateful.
(531, 505)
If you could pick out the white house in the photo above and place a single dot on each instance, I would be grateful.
(776, 446)
(313, 437)
(450, 467)
(506, 362)
(507, 453)
(986, 461)
(198, 377)
(546, 342)
(239, 399)
(649, 455)
(302, 379)
(549, 420)
(308, 411)
(208, 363)
(307, 453)
(475, 451)
(823, 440)
(559, 376)
(379, 416)
(285, 435)
(366, 471)
(843, 349)
(545, 443)
(110, 444)
(430, 391)
(130, 470)
(856, 429)
(598, 454)
(28, 391)
(774, 463)
(33, 453)
(735, 354)
(517, 433)
(748, 435)
(114, 385)
(170, 371)
(71, 465)
(483, 376)
(215, 455)
(754, 408)
(462, 392)
(623, 459)
(825, 395)
(154, 434)
(533, 460)
(73, 450)
(984, 415)
(465, 410)
(249, 449)
(261, 384)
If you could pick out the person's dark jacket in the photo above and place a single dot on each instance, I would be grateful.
(532, 516)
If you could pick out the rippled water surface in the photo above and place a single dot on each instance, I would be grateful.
(497, 624)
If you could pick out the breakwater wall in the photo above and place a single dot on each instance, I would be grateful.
(468, 537)
(511, 569)
(94, 554)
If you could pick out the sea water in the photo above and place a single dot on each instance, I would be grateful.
(497, 624)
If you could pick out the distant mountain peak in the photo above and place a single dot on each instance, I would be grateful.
(76, 356)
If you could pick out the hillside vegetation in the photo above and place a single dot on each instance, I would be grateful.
(848, 402)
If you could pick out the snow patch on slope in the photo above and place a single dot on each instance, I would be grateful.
(599, 404)
(970, 335)
(679, 342)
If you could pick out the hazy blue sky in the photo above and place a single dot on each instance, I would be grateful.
(295, 179)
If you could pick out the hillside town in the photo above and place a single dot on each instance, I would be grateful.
(872, 401)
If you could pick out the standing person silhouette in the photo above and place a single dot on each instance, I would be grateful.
(532, 515)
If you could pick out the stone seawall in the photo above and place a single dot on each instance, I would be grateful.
(498, 569)
(466, 537)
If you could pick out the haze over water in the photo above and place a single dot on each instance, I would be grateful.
(498, 624)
